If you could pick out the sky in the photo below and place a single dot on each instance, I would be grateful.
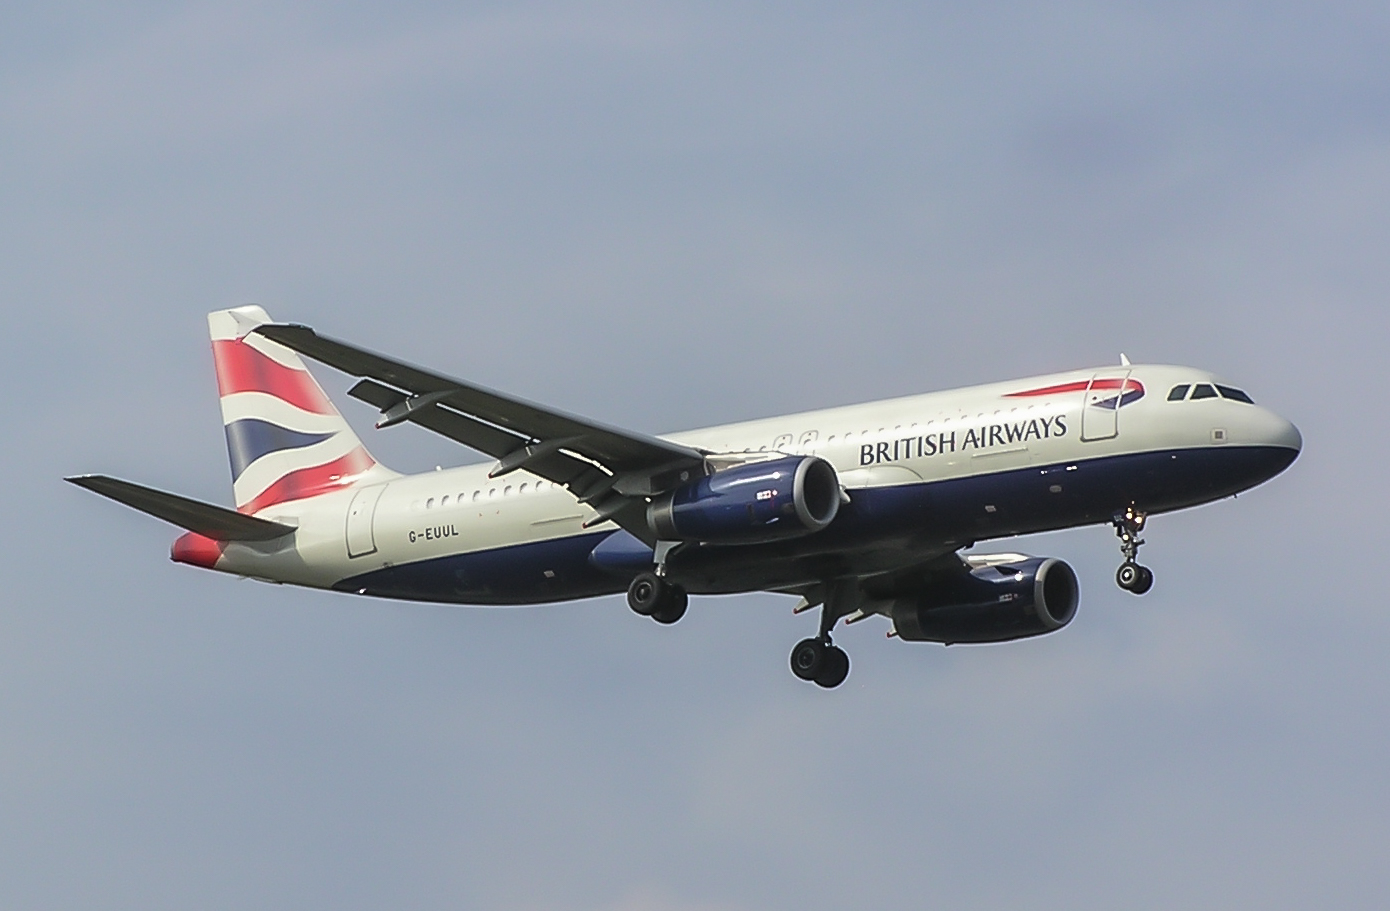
(666, 215)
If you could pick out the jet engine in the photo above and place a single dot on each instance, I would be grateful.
(1002, 597)
(750, 503)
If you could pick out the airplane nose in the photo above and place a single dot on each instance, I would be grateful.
(1279, 438)
(1284, 434)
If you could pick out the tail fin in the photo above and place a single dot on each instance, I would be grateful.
(285, 439)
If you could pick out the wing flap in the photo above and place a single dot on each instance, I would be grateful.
(215, 522)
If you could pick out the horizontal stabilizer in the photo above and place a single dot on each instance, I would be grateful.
(215, 522)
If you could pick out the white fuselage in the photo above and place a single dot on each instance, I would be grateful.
(1010, 430)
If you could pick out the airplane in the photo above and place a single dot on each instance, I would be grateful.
(861, 511)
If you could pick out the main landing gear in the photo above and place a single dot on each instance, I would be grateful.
(819, 660)
(652, 596)
(1131, 576)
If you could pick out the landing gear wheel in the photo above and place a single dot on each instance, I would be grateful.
(834, 668)
(673, 607)
(652, 596)
(1134, 578)
(808, 658)
(1127, 575)
(644, 595)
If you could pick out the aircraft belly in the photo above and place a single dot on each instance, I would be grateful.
(557, 569)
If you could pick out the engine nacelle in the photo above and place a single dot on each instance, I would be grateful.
(750, 503)
(1002, 598)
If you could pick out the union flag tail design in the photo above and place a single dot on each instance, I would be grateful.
(285, 439)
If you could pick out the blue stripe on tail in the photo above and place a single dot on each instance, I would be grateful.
(250, 438)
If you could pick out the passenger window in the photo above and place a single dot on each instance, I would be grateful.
(477, 494)
(429, 504)
(1178, 393)
(1235, 394)
(1203, 391)
(523, 488)
(444, 501)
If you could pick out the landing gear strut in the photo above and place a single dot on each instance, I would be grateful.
(819, 660)
(652, 596)
(1131, 576)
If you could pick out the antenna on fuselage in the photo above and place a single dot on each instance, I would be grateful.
(1124, 361)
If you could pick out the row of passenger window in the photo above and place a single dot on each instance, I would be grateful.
(1208, 391)
(808, 439)
(479, 495)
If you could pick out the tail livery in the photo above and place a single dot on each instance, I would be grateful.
(285, 439)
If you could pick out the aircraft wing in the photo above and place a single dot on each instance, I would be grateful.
(606, 467)
(858, 594)
(944, 568)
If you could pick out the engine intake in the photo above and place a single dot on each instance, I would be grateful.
(997, 601)
(750, 503)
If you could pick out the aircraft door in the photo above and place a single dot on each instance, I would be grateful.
(1100, 409)
(361, 540)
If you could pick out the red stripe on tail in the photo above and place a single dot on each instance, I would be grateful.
(309, 482)
(241, 368)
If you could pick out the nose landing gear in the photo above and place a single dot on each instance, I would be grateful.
(1134, 578)
(1131, 576)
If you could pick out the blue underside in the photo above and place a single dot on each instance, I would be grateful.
(881, 529)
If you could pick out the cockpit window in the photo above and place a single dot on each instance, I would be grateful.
(1203, 391)
(1178, 393)
(1238, 395)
